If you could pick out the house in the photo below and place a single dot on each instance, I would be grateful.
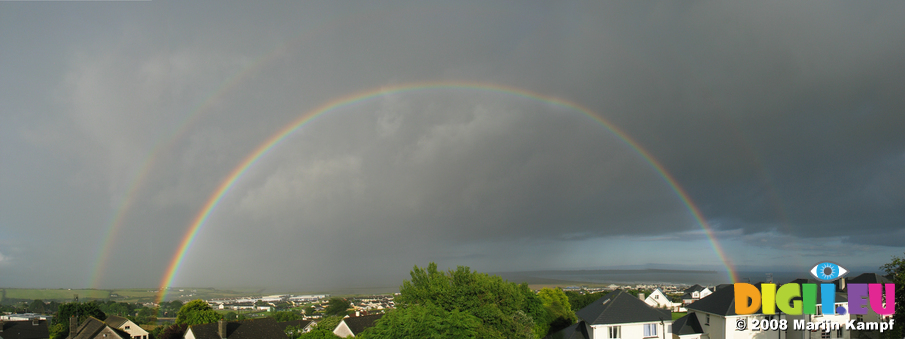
(687, 327)
(352, 326)
(126, 325)
(714, 317)
(303, 326)
(26, 317)
(871, 316)
(695, 293)
(24, 329)
(659, 299)
(93, 328)
(263, 328)
(821, 316)
(619, 315)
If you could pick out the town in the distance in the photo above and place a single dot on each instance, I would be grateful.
(461, 303)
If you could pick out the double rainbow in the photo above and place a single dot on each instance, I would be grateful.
(349, 100)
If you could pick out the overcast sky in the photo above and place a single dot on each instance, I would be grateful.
(783, 122)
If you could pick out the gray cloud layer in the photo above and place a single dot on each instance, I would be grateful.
(780, 120)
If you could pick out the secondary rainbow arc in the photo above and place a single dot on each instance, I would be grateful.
(234, 175)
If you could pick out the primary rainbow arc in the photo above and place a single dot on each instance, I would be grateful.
(348, 100)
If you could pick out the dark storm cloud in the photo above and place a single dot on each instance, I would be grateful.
(780, 120)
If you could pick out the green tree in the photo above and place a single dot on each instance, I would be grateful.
(285, 316)
(174, 331)
(323, 329)
(557, 305)
(318, 333)
(197, 312)
(424, 321)
(146, 315)
(578, 301)
(506, 310)
(337, 307)
(231, 316)
(310, 310)
(81, 311)
(896, 269)
(36, 306)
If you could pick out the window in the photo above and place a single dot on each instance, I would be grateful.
(839, 332)
(819, 310)
(824, 335)
(656, 296)
(859, 318)
(650, 330)
(615, 333)
(707, 320)
(127, 327)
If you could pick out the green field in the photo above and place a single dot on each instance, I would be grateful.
(54, 294)
(677, 315)
(130, 295)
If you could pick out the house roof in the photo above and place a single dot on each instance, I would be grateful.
(868, 278)
(115, 321)
(92, 326)
(575, 331)
(24, 329)
(264, 328)
(359, 324)
(620, 307)
(297, 323)
(840, 296)
(695, 288)
(721, 302)
(687, 324)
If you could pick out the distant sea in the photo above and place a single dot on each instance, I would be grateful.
(572, 278)
(643, 276)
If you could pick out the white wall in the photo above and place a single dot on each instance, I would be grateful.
(629, 331)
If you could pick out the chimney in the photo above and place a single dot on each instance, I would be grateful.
(73, 326)
(641, 296)
(842, 284)
(221, 328)
(35, 321)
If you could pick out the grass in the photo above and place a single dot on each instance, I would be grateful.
(677, 315)
(54, 294)
(130, 295)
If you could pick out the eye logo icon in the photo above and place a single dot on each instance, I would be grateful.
(827, 271)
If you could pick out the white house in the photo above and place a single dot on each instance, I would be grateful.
(126, 325)
(619, 315)
(659, 299)
(714, 317)
(351, 326)
(695, 293)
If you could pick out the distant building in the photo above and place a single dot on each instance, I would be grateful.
(25, 317)
(24, 329)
